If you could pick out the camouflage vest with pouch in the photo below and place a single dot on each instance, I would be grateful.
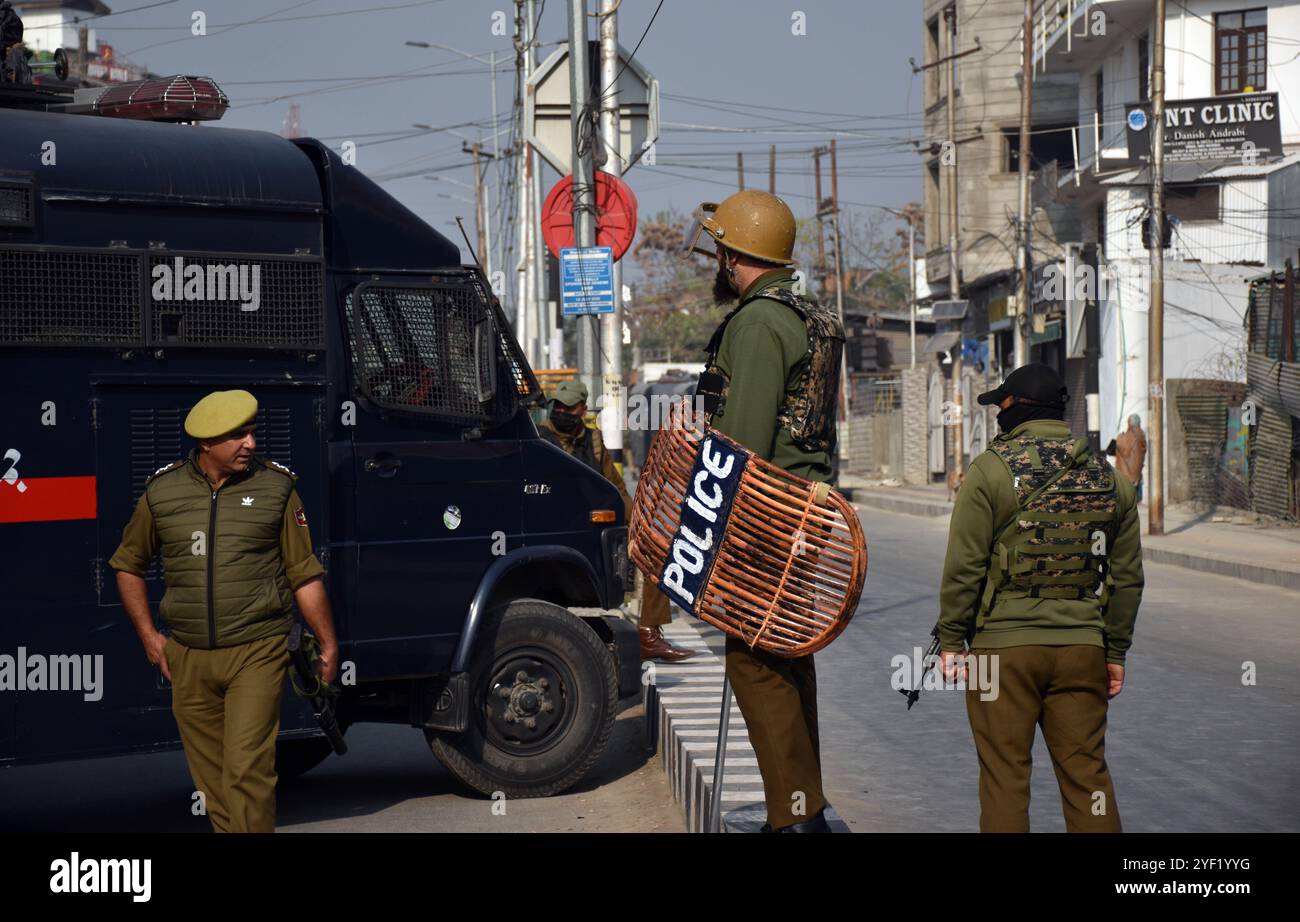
(808, 412)
(1057, 545)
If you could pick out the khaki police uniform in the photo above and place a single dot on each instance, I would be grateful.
(232, 558)
(1047, 577)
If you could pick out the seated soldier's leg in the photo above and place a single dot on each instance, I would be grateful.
(1074, 727)
(768, 691)
(252, 722)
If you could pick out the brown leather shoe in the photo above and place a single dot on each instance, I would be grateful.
(655, 646)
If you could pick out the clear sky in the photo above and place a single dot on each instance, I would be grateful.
(734, 65)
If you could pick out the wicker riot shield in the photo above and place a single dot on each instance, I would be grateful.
(760, 554)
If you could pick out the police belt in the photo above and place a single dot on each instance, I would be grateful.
(759, 553)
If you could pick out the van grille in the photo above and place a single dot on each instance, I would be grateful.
(288, 310)
(69, 297)
(15, 205)
(118, 298)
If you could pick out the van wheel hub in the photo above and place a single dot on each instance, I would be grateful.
(524, 705)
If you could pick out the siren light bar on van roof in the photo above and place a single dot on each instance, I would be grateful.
(158, 99)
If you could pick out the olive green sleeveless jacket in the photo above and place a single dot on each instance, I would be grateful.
(225, 578)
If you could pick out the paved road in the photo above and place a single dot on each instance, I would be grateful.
(388, 782)
(1190, 748)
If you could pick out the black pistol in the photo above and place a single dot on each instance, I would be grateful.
(304, 650)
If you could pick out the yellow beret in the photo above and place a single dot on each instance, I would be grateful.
(220, 412)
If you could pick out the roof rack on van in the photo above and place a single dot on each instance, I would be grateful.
(179, 98)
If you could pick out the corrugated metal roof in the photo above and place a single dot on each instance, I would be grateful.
(1194, 172)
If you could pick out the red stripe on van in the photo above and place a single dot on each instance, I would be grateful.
(47, 499)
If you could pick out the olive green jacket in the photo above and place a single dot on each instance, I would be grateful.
(761, 352)
(985, 503)
(231, 557)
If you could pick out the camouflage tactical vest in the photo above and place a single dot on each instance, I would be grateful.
(808, 412)
(1058, 544)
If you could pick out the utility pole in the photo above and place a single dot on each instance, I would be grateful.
(740, 171)
(524, 315)
(771, 169)
(821, 231)
(550, 341)
(1156, 314)
(480, 219)
(1025, 156)
(954, 255)
(611, 419)
(584, 189)
(911, 279)
(839, 299)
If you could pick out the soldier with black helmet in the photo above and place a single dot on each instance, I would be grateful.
(1043, 572)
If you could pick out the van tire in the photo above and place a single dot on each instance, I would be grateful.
(517, 646)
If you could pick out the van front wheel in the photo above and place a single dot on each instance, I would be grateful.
(543, 695)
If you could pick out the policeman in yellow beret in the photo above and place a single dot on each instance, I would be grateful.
(236, 554)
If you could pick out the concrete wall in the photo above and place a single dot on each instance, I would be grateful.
(915, 382)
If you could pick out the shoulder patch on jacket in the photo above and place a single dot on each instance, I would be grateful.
(165, 469)
(277, 466)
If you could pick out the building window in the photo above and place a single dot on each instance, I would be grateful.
(1046, 143)
(935, 207)
(1099, 98)
(933, 85)
(1241, 51)
(1187, 202)
(1144, 69)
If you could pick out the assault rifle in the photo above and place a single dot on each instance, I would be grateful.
(928, 662)
(304, 651)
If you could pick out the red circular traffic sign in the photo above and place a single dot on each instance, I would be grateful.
(615, 215)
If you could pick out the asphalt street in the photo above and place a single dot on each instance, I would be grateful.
(389, 781)
(1190, 747)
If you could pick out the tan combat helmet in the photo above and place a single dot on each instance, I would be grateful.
(755, 223)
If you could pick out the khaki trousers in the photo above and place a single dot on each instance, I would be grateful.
(1063, 691)
(227, 706)
(655, 610)
(778, 698)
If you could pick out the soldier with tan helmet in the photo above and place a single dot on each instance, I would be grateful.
(771, 384)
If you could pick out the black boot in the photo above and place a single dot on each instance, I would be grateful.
(816, 824)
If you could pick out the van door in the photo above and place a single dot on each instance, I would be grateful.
(138, 427)
(438, 494)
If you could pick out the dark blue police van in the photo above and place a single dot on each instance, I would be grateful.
(473, 567)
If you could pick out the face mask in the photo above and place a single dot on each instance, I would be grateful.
(567, 423)
(1019, 413)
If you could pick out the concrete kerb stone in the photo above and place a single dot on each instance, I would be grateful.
(681, 707)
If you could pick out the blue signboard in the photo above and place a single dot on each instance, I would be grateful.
(704, 512)
(586, 280)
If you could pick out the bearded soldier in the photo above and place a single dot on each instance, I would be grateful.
(1043, 572)
(771, 384)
